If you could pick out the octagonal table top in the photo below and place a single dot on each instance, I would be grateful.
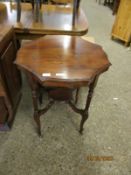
(67, 60)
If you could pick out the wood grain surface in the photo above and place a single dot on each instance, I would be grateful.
(66, 59)
(54, 19)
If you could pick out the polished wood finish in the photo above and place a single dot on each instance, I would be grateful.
(36, 6)
(10, 79)
(63, 64)
(122, 25)
(6, 112)
(54, 19)
(3, 111)
(62, 1)
(10, 72)
(69, 60)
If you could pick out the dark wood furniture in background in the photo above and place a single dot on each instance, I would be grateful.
(37, 4)
(54, 19)
(113, 4)
(63, 63)
(4, 103)
(10, 79)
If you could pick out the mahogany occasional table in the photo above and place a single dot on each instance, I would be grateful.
(63, 64)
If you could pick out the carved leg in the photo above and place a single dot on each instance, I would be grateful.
(34, 88)
(84, 118)
(76, 97)
(84, 112)
(36, 111)
(40, 95)
(37, 120)
(35, 96)
(88, 101)
(40, 98)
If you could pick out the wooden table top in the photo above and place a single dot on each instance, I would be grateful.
(54, 19)
(70, 60)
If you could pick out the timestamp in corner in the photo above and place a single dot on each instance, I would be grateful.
(100, 158)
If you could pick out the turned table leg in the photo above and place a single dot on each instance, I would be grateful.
(34, 89)
(36, 111)
(84, 112)
(76, 96)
